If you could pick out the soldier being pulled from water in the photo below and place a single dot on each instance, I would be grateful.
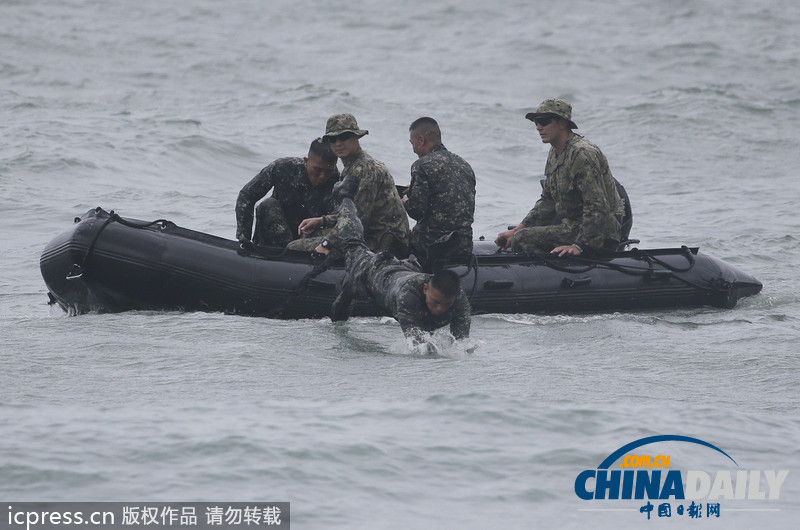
(420, 302)
(301, 189)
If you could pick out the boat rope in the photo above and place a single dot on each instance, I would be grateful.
(473, 264)
(718, 285)
(78, 269)
(633, 270)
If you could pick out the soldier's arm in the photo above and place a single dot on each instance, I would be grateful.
(461, 317)
(595, 203)
(542, 212)
(408, 313)
(418, 202)
(249, 195)
(366, 196)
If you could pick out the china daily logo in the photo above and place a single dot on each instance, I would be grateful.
(639, 476)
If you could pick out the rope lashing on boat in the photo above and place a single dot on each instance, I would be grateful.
(648, 272)
(78, 269)
(633, 270)
(473, 263)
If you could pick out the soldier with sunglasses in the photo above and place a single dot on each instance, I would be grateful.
(580, 207)
(379, 206)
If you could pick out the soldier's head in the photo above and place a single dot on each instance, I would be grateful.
(423, 134)
(343, 133)
(320, 162)
(553, 119)
(441, 291)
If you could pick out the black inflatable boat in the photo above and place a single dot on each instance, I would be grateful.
(107, 263)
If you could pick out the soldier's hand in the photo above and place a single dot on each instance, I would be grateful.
(309, 225)
(566, 250)
(504, 238)
(322, 250)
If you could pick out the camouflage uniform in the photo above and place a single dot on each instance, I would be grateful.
(395, 285)
(293, 199)
(442, 200)
(579, 203)
(379, 208)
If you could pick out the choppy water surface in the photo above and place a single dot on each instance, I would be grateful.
(164, 110)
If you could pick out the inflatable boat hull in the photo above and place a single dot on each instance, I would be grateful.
(107, 263)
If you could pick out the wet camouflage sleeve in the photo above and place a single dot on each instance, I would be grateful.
(543, 212)
(379, 206)
(580, 188)
(250, 194)
(461, 319)
(442, 198)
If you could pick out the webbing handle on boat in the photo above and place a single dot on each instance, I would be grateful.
(569, 283)
(498, 284)
(655, 275)
(321, 286)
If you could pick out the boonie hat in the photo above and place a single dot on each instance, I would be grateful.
(557, 107)
(343, 123)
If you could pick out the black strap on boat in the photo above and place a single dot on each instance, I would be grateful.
(717, 286)
(684, 250)
(78, 269)
(591, 263)
(279, 311)
(473, 263)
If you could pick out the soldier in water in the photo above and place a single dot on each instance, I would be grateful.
(420, 302)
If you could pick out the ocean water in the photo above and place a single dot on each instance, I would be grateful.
(165, 109)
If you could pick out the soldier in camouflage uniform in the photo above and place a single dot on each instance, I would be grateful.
(379, 206)
(420, 302)
(301, 189)
(441, 197)
(580, 207)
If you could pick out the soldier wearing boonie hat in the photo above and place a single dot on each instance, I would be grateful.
(553, 107)
(379, 206)
(579, 207)
(339, 124)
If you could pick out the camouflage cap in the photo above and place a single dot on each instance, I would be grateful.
(343, 123)
(554, 107)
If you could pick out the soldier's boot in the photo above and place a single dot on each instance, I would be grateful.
(343, 305)
(353, 282)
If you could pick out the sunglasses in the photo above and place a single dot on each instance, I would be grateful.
(340, 137)
(543, 122)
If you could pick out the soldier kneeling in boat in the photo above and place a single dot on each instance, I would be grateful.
(580, 207)
(420, 302)
(301, 189)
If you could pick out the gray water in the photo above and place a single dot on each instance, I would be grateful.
(165, 109)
